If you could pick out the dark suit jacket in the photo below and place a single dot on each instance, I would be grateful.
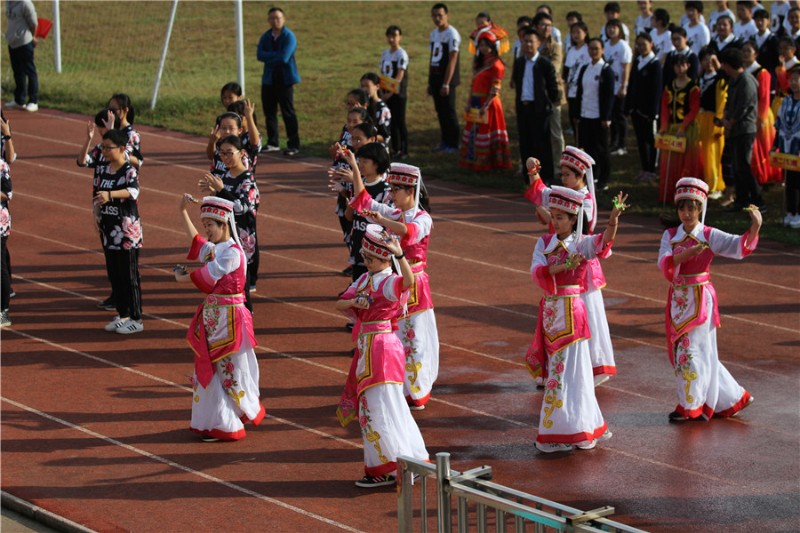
(545, 84)
(644, 89)
(606, 95)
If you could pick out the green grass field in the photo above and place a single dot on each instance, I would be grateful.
(112, 47)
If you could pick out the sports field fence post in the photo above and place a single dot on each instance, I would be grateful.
(56, 36)
(163, 55)
(239, 43)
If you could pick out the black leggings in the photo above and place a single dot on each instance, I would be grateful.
(5, 279)
(397, 106)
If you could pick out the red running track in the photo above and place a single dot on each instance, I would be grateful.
(95, 425)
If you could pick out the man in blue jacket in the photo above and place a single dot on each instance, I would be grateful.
(276, 50)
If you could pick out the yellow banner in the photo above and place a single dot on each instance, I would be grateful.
(671, 143)
(388, 84)
(785, 161)
(474, 115)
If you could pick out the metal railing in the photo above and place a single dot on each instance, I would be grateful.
(481, 504)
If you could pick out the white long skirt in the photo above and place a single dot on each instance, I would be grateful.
(705, 387)
(600, 350)
(388, 429)
(231, 398)
(420, 339)
(570, 413)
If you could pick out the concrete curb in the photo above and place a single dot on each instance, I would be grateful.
(43, 516)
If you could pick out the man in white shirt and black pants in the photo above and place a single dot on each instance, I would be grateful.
(443, 78)
(596, 99)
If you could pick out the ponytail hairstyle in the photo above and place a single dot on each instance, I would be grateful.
(124, 101)
(424, 199)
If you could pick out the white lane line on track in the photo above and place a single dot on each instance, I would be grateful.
(178, 466)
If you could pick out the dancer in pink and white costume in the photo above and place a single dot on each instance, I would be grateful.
(705, 387)
(374, 388)
(226, 392)
(411, 221)
(576, 174)
(559, 353)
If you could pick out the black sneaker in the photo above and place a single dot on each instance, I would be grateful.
(348, 271)
(369, 482)
(108, 304)
(291, 151)
(12, 293)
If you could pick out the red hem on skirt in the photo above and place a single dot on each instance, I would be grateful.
(257, 420)
(380, 470)
(574, 438)
(738, 406)
(607, 370)
(417, 402)
(705, 411)
(221, 435)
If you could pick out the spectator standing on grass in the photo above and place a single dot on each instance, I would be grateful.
(596, 100)
(745, 28)
(721, 11)
(484, 142)
(787, 141)
(724, 37)
(21, 37)
(643, 23)
(572, 18)
(766, 45)
(697, 33)
(619, 55)
(443, 78)
(681, 48)
(552, 50)
(394, 64)
(662, 37)
(612, 11)
(577, 56)
(276, 50)
(713, 95)
(547, 10)
(680, 104)
(778, 11)
(536, 95)
(739, 120)
(642, 103)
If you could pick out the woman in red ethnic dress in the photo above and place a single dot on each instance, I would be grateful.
(765, 122)
(484, 144)
(225, 380)
(680, 104)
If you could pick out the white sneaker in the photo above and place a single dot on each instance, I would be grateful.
(115, 323)
(716, 195)
(794, 223)
(552, 447)
(787, 220)
(131, 326)
(605, 436)
(32, 107)
(587, 445)
(271, 148)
